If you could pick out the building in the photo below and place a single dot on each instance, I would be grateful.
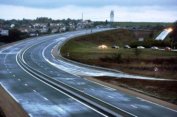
(112, 16)
(4, 32)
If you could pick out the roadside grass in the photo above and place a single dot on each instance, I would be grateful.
(136, 61)
(142, 62)
(87, 48)
(120, 37)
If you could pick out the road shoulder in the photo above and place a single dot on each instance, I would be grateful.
(137, 94)
(9, 106)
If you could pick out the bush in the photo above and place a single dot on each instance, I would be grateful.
(137, 52)
(115, 58)
(149, 43)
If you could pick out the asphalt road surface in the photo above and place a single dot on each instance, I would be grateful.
(46, 86)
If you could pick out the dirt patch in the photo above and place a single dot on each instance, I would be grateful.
(9, 107)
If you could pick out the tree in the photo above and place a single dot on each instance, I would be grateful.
(151, 35)
(106, 22)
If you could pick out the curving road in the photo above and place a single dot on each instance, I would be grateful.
(49, 86)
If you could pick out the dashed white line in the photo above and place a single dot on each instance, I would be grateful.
(133, 106)
(34, 91)
(110, 97)
(26, 84)
(61, 91)
(93, 89)
(45, 98)
(109, 88)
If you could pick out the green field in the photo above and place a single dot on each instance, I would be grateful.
(135, 61)
(90, 50)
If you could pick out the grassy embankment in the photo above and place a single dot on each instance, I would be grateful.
(142, 62)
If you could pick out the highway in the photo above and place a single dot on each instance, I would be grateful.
(51, 86)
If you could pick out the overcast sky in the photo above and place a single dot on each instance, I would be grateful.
(125, 10)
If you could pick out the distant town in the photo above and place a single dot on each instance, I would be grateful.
(29, 28)
(14, 30)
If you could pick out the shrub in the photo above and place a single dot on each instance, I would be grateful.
(137, 52)
(115, 58)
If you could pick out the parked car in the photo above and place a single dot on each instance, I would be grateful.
(154, 48)
(127, 46)
(167, 49)
(140, 47)
(115, 46)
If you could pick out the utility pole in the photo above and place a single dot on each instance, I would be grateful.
(82, 20)
(82, 17)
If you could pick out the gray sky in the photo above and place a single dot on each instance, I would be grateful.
(125, 10)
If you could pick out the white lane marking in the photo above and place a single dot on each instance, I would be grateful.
(110, 96)
(34, 91)
(51, 52)
(111, 89)
(156, 104)
(10, 53)
(26, 84)
(92, 89)
(133, 106)
(9, 93)
(140, 98)
(59, 90)
(106, 87)
(88, 80)
(30, 115)
(52, 55)
(40, 95)
(45, 98)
